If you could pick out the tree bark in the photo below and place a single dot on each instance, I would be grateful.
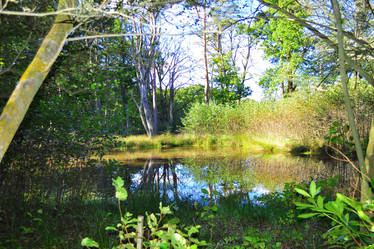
(206, 89)
(154, 102)
(31, 80)
(171, 106)
(365, 187)
(369, 159)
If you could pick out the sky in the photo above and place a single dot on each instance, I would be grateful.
(193, 45)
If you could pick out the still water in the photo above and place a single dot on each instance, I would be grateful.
(182, 174)
(174, 175)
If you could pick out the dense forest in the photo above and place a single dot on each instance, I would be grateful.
(110, 102)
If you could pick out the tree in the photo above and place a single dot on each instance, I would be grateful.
(230, 48)
(144, 45)
(285, 44)
(22, 96)
(347, 51)
(170, 67)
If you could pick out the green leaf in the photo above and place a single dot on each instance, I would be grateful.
(333, 130)
(307, 215)
(164, 245)
(301, 205)
(336, 124)
(165, 210)
(111, 229)
(174, 221)
(363, 216)
(313, 188)
(205, 191)
(320, 202)
(346, 128)
(118, 182)
(89, 243)
(121, 194)
(302, 192)
(192, 230)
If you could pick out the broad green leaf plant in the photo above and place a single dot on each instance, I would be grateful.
(351, 225)
(158, 233)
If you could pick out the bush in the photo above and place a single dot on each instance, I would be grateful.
(303, 117)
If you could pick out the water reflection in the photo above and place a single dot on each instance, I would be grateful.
(170, 179)
(246, 174)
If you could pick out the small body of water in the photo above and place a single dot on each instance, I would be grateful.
(183, 174)
(173, 175)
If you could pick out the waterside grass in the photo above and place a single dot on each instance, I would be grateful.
(207, 141)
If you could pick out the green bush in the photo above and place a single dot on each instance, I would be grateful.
(303, 117)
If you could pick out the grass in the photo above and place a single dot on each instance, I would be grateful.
(236, 220)
(157, 142)
(206, 141)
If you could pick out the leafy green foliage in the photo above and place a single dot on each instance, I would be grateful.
(340, 138)
(214, 119)
(159, 230)
(228, 87)
(350, 223)
(285, 44)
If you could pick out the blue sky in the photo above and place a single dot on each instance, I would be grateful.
(193, 45)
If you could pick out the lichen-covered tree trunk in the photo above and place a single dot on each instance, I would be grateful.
(369, 161)
(365, 185)
(31, 80)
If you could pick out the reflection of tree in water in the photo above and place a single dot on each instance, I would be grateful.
(237, 175)
(169, 179)
(159, 176)
(227, 174)
(274, 172)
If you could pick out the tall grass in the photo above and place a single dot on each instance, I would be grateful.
(304, 117)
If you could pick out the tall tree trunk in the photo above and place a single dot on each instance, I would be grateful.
(365, 187)
(125, 105)
(127, 118)
(141, 113)
(206, 88)
(369, 159)
(154, 102)
(146, 109)
(171, 106)
(31, 80)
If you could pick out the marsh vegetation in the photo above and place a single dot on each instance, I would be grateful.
(112, 110)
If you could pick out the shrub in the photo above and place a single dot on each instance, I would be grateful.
(303, 117)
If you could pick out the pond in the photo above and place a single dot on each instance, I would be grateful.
(44, 206)
(183, 174)
(173, 175)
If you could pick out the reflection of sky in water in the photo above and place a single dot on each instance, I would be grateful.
(227, 173)
(188, 187)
